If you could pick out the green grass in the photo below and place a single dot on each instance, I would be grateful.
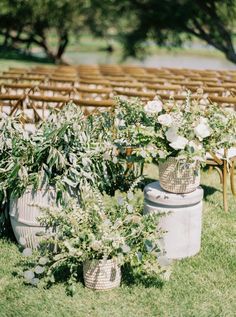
(86, 43)
(6, 63)
(201, 286)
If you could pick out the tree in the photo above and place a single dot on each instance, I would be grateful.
(30, 22)
(169, 22)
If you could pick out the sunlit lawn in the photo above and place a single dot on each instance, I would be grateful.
(204, 285)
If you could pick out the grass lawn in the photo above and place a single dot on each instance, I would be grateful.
(201, 286)
(85, 43)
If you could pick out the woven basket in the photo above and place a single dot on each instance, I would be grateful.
(101, 274)
(178, 177)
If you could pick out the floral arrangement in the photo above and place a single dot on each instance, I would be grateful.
(126, 130)
(223, 124)
(60, 153)
(188, 131)
(100, 228)
(63, 152)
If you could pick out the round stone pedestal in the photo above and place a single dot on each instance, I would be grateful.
(181, 219)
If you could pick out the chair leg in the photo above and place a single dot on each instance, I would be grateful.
(220, 172)
(210, 169)
(225, 174)
(232, 179)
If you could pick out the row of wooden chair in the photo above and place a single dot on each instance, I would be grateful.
(115, 71)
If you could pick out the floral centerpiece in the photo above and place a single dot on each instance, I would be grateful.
(103, 234)
(183, 133)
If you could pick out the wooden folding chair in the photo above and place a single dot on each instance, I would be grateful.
(224, 163)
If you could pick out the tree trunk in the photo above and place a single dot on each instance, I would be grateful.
(63, 42)
(231, 56)
(6, 37)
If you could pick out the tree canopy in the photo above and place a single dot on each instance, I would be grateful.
(29, 22)
(170, 22)
(134, 22)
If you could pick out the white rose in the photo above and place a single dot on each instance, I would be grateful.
(154, 106)
(202, 131)
(171, 134)
(165, 119)
(179, 143)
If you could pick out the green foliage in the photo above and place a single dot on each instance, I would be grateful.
(170, 23)
(66, 152)
(98, 228)
(59, 154)
(126, 129)
(223, 125)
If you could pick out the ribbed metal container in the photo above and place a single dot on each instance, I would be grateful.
(24, 212)
(177, 177)
(101, 274)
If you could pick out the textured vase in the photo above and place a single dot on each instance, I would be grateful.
(24, 212)
(179, 177)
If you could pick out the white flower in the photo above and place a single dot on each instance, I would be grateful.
(115, 151)
(195, 146)
(115, 160)
(171, 134)
(154, 106)
(143, 153)
(202, 131)
(203, 120)
(165, 119)
(107, 156)
(136, 219)
(117, 224)
(130, 195)
(125, 248)
(22, 241)
(39, 269)
(119, 123)
(161, 154)
(130, 208)
(204, 102)
(107, 223)
(28, 275)
(27, 252)
(179, 143)
(96, 245)
(43, 260)
(224, 119)
(34, 281)
(151, 150)
(120, 201)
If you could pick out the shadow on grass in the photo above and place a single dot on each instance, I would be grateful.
(60, 275)
(16, 54)
(208, 191)
(6, 231)
(132, 278)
